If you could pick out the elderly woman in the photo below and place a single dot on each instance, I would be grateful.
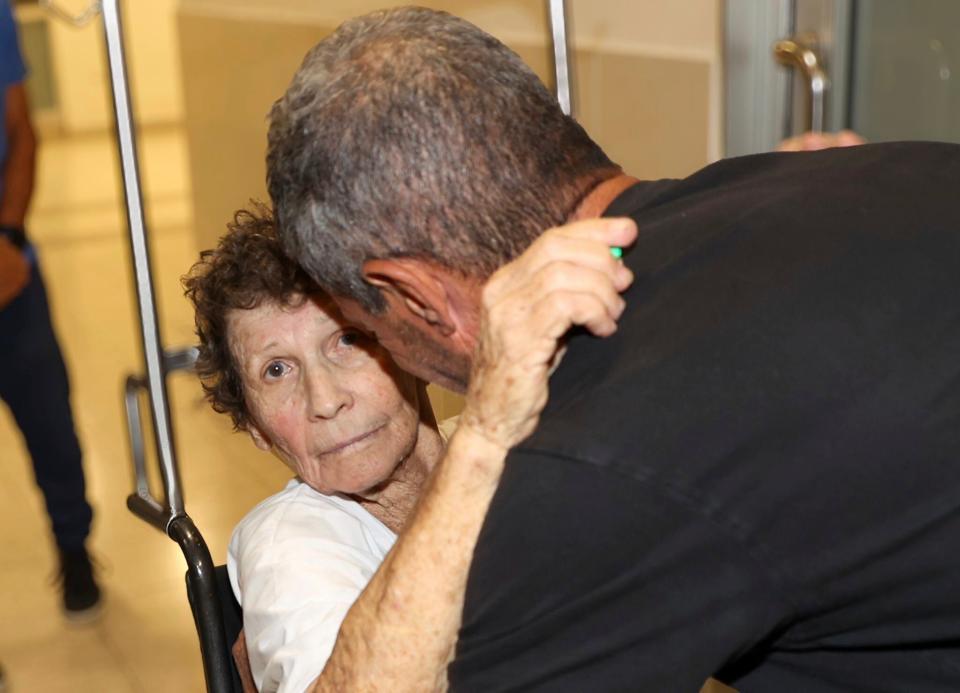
(360, 435)
(278, 358)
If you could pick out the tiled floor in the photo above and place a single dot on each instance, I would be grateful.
(145, 640)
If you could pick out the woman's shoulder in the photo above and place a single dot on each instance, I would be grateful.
(299, 517)
(298, 510)
(296, 562)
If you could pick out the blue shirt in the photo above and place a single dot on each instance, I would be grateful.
(12, 69)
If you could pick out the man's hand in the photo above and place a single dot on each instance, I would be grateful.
(567, 277)
(17, 171)
(401, 633)
(14, 272)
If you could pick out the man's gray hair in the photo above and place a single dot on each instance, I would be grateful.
(412, 133)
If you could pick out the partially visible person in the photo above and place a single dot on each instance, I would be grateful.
(814, 141)
(33, 377)
(359, 433)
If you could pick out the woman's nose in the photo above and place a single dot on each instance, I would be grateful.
(326, 396)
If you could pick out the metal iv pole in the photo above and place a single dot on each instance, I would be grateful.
(167, 515)
(560, 39)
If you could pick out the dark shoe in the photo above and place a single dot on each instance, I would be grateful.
(81, 596)
(3, 681)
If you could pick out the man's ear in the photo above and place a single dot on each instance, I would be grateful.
(415, 284)
(259, 438)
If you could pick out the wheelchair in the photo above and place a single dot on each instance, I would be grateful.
(217, 615)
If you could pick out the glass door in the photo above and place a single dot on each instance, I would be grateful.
(905, 70)
(888, 69)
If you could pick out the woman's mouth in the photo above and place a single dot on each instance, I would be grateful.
(339, 447)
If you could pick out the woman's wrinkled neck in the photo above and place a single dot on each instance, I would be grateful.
(393, 501)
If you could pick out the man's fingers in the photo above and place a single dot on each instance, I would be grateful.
(563, 277)
(559, 311)
(587, 253)
(528, 331)
(573, 255)
(558, 278)
(604, 233)
(619, 231)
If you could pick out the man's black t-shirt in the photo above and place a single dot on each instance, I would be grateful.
(758, 476)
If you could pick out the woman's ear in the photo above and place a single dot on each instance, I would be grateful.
(259, 438)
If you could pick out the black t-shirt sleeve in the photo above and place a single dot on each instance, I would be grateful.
(587, 580)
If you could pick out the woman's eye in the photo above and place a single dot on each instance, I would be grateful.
(349, 338)
(275, 370)
(350, 348)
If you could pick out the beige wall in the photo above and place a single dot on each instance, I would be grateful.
(667, 42)
(647, 75)
(80, 67)
(688, 26)
(233, 71)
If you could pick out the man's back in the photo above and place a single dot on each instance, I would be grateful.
(758, 475)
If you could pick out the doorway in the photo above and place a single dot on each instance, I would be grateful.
(891, 70)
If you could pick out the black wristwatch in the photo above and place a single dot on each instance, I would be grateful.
(15, 234)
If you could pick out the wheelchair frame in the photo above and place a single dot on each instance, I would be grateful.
(168, 514)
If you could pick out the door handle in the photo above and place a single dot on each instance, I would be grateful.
(799, 52)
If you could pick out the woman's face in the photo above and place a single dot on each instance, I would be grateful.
(322, 395)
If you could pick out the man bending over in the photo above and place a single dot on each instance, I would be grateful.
(757, 476)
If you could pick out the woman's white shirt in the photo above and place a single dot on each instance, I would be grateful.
(297, 562)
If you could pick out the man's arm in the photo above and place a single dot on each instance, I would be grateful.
(401, 632)
(20, 164)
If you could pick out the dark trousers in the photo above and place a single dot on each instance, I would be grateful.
(33, 383)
